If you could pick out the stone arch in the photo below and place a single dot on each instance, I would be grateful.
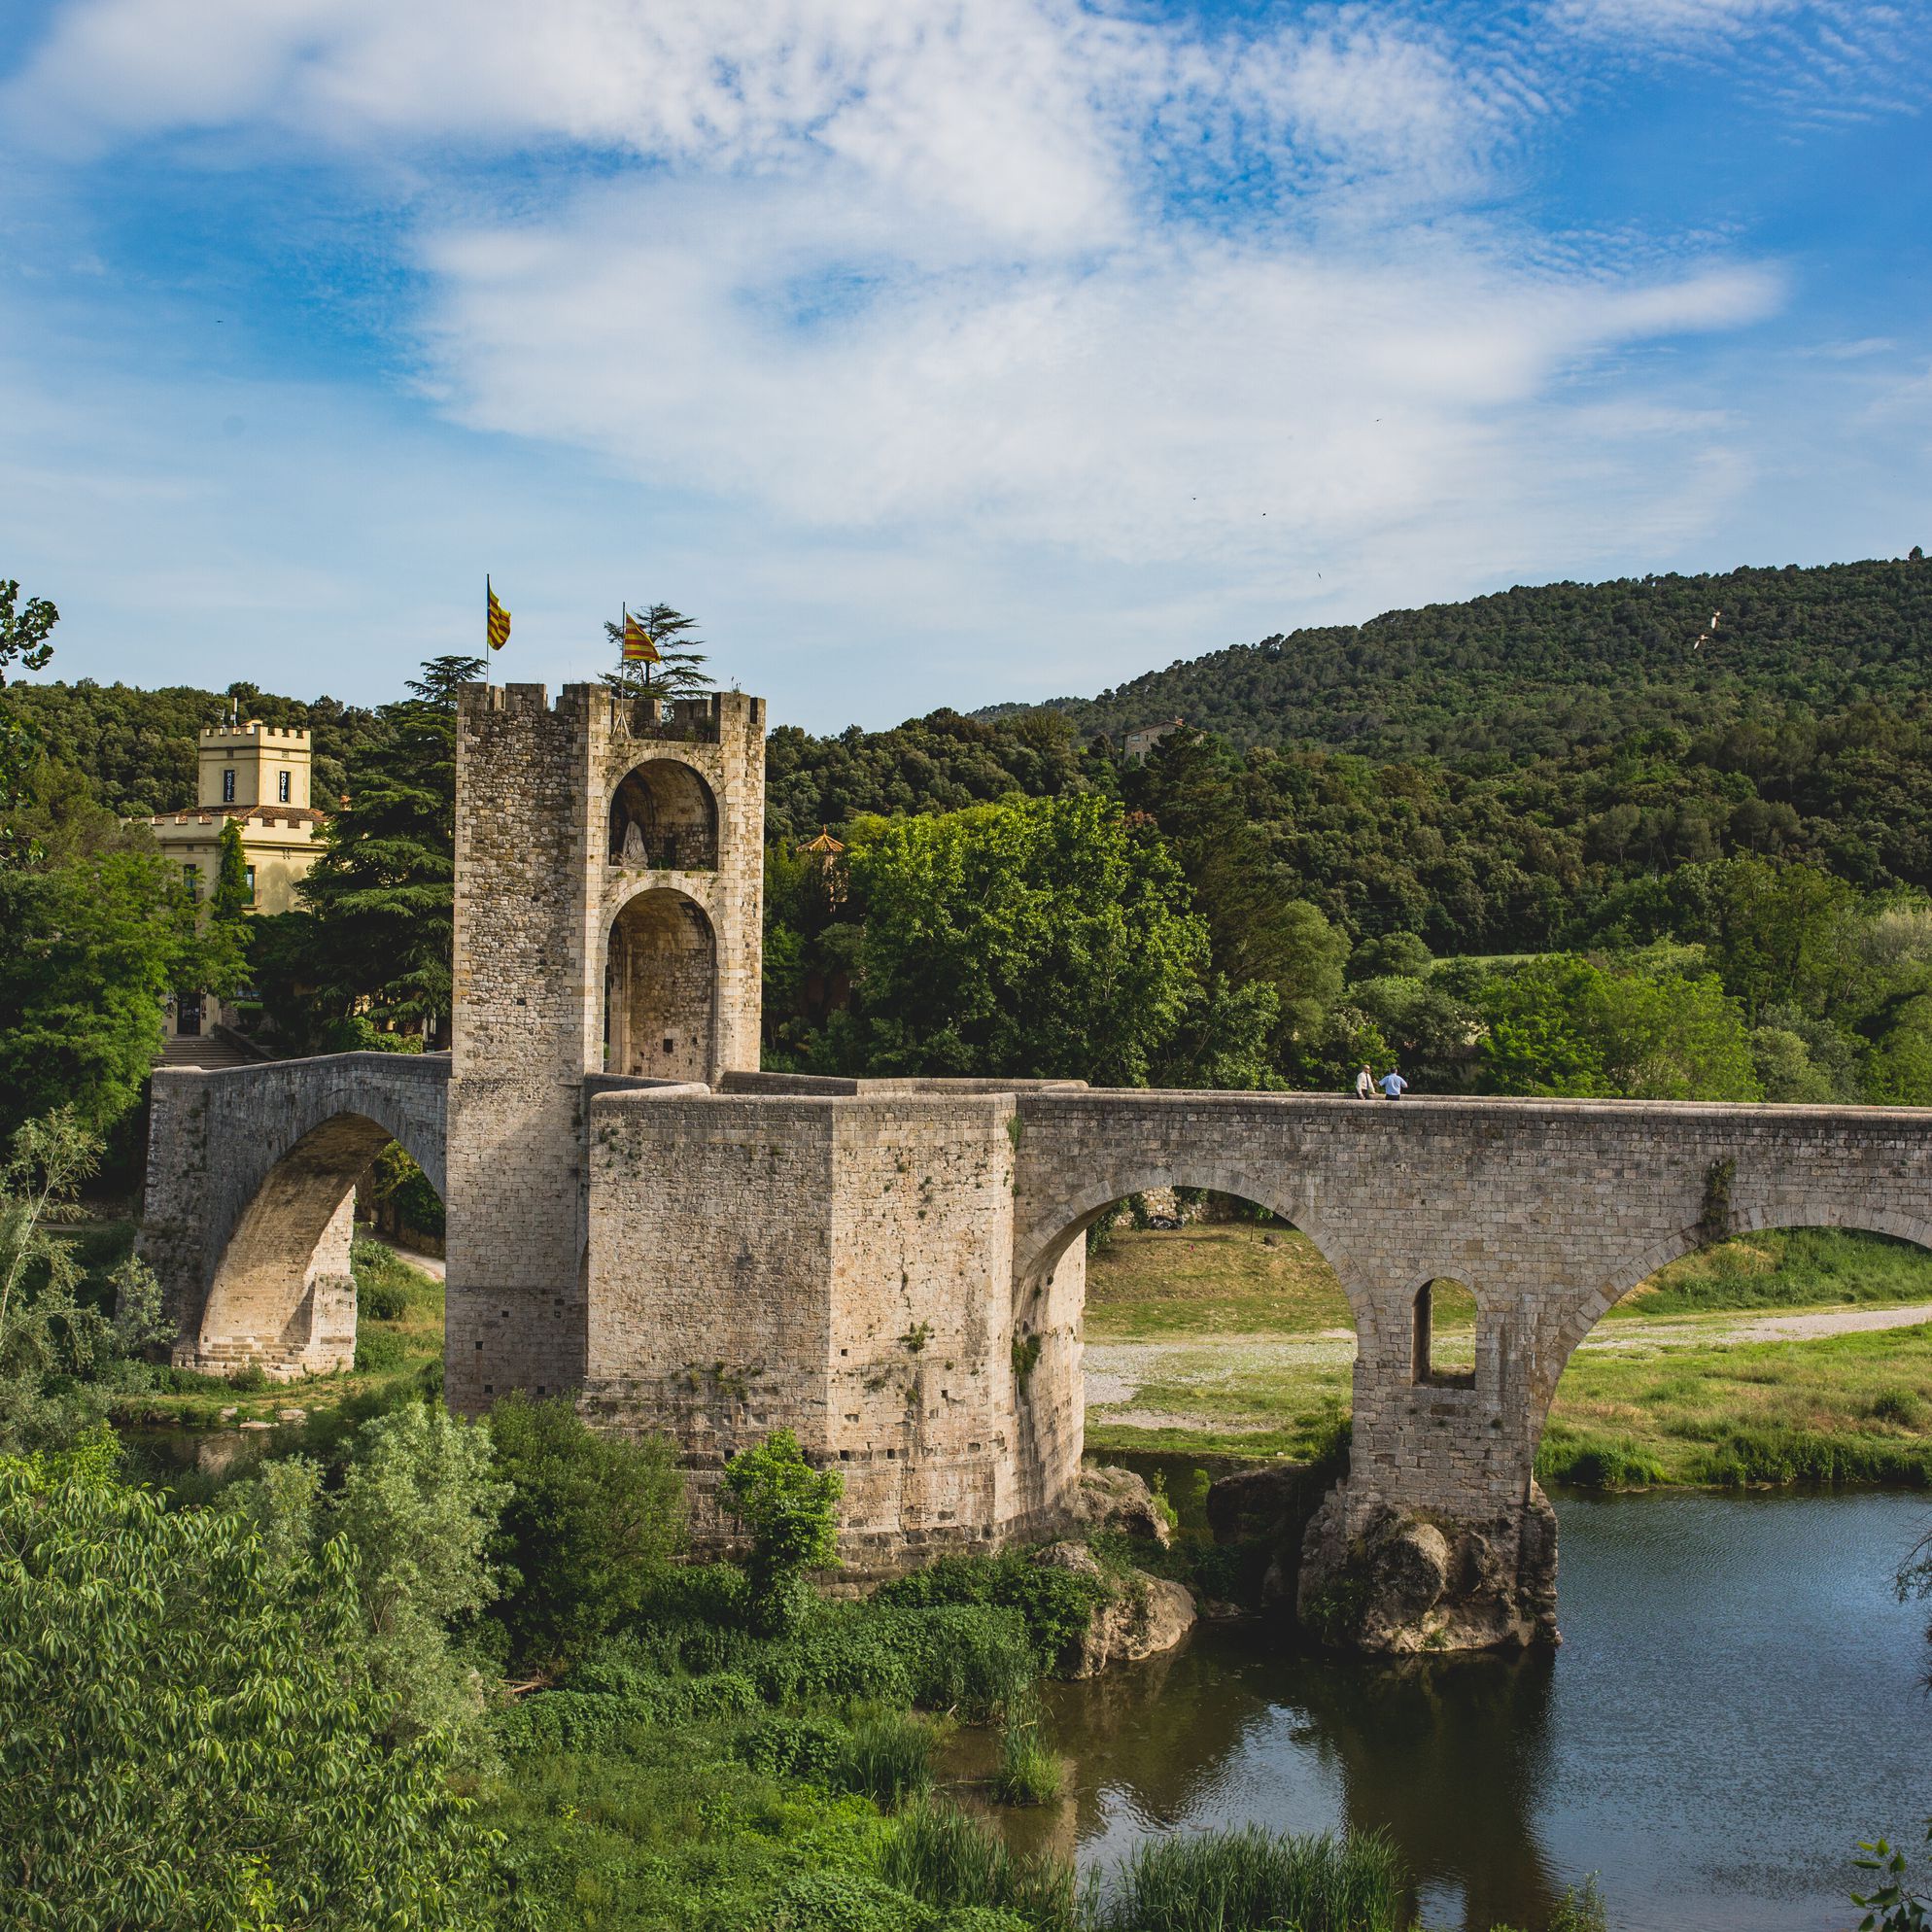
(664, 816)
(1050, 1299)
(282, 1292)
(661, 999)
(1049, 1233)
(1756, 1218)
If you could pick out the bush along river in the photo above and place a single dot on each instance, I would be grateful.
(1737, 1701)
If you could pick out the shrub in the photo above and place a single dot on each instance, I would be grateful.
(250, 1379)
(589, 1525)
(790, 1511)
(384, 1300)
(189, 1729)
(1902, 1406)
(377, 1353)
(1253, 1876)
(1058, 1605)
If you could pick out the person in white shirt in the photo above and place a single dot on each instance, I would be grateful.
(1365, 1085)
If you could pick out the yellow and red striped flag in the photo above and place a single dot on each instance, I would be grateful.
(496, 619)
(639, 646)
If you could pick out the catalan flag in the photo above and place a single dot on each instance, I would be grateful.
(496, 619)
(639, 646)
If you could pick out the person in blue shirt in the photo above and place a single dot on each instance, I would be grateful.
(1394, 1086)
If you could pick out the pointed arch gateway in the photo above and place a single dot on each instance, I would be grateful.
(661, 989)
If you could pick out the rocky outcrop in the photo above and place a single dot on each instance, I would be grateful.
(1408, 1582)
(1110, 1499)
(1141, 1617)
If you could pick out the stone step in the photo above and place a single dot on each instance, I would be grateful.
(203, 1052)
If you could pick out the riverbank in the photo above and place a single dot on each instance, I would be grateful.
(1801, 1356)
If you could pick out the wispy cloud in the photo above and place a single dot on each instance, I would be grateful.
(1212, 304)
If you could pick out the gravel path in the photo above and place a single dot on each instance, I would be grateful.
(1116, 1371)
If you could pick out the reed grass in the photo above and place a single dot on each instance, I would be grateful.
(947, 1859)
(1219, 1881)
(1029, 1774)
(888, 1759)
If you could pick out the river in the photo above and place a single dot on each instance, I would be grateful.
(1736, 1703)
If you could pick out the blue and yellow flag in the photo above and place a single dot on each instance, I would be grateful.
(639, 646)
(496, 619)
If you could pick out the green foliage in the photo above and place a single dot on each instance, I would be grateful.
(190, 1736)
(1562, 1025)
(1056, 1604)
(587, 1528)
(94, 946)
(1890, 1906)
(946, 1858)
(415, 1513)
(1029, 1774)
(790, 1511)
(1209, 1880)
(374, 938)
(63, 1338)
(232, 895)
(1026, 936)
(381, 1282)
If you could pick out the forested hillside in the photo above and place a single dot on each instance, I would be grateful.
(1532, 670)
(138, 746)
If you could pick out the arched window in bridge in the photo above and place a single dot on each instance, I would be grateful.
(1445, 1335)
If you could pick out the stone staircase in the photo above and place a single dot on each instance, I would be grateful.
(209, 1051)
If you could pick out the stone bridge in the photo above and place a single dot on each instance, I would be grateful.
(895, 1271)
(251, 1184)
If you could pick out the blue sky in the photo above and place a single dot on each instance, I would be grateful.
(935, 352)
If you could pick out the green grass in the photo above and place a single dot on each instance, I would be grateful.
(392, 1350)
(1028, 1774)
(1855, 1407)
(1842, 1408)
(1789, 1268)
(1208, 1278)
(1218, 1881)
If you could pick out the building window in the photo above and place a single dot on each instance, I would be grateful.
(227, 788)
(282, 787)
(191, 877)
(250, 870)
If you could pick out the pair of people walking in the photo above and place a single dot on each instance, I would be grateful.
(1391, 1084)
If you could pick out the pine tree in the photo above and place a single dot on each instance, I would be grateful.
(381, 897)
(676, 675)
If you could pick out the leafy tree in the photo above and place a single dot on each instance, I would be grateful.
(190, 1736)
(589, 1526)
(93, 948)
(58, 1347)
(417, 1510)
(232, 895)
(677, 672)
(1038, 936)
(1563, 1025)
(24, 630)
(790, 1511)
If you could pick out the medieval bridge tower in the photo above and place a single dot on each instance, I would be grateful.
(609, 858)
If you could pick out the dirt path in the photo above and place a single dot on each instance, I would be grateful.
(1116, 1371)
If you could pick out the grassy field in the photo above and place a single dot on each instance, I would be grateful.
(1244, 1351)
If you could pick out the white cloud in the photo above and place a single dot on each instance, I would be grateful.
(1013, 300)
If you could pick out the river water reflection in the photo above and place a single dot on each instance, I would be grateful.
(1736, 1703)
